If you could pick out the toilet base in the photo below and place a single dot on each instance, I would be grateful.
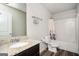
(53, 50)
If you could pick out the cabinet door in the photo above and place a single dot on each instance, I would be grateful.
(33, 51)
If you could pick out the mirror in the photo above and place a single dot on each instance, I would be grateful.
(12, 19)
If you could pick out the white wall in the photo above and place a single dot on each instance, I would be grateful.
(65, 30)
(41, 29)
(18, 20)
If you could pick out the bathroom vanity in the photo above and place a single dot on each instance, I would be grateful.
(30, 49)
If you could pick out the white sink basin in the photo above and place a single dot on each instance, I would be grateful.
(19, 44)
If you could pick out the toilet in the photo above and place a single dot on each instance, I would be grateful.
(52, 44)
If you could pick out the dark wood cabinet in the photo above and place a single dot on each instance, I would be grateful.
(33, 51)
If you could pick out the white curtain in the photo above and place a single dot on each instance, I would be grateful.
(51, 26)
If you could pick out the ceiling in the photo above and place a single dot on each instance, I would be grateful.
(19, 6)
(59, 7)
(52, 7)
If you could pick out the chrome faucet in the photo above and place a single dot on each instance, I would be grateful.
(15, 40)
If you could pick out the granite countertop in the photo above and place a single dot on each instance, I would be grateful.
(14, 51)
